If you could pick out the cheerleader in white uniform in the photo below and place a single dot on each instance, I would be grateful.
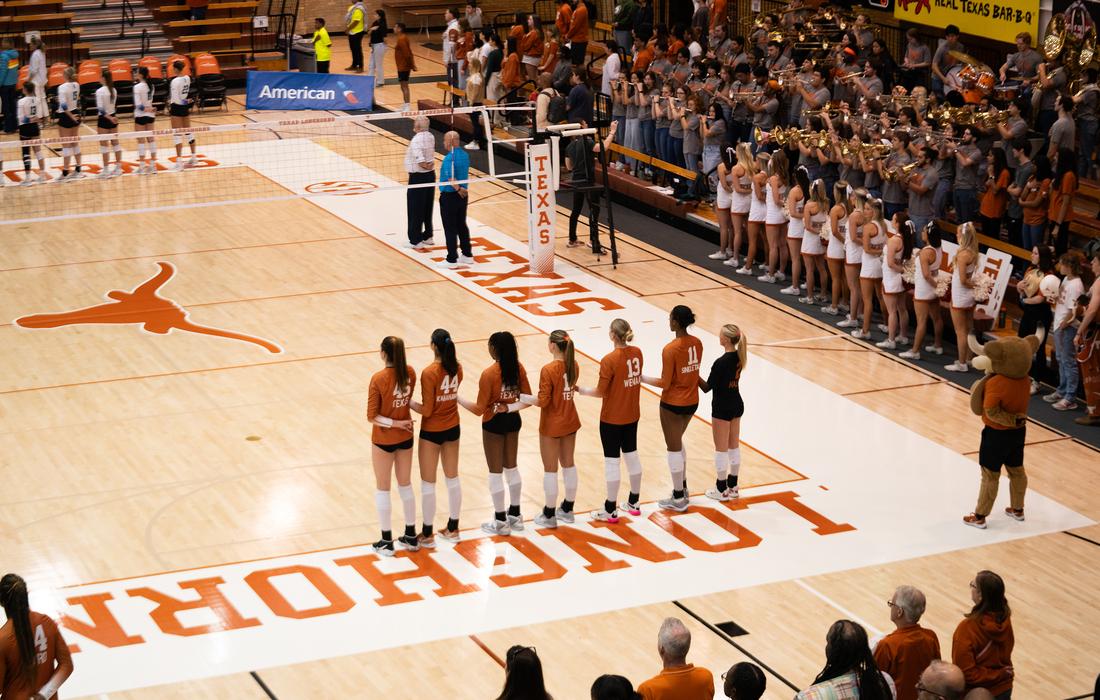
(870, 269)
(68, 125)
(107, 123)
(899, 246)
(853, 256)
(741, 199)
(775, 221)
(925, 301)
(145, 117)
(796, 207)
(813, 250)
(723, 200)
(962, 293)
(758, 210)
(26, 111)
(834, 252)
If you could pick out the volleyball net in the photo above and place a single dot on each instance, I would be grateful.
(307, 157)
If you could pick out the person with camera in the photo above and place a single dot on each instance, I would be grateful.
(580, 161)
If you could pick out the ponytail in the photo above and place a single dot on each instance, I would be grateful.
(394, 350)
(13, 598)
(621, 330)
(109, 81)
(503, 344)
(563, 342)
(445, 346)
(740, 343)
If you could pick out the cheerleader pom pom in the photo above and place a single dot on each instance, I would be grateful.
(909, 270)
(983, 286)
(943, 283)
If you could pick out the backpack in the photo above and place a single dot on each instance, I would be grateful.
(555, 112)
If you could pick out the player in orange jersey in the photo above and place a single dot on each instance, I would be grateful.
(679, 384)
(558, 426)
(498, 405)
(391, 389)
(726, 411)
(439, 435)
(620, 387)
(34, 658)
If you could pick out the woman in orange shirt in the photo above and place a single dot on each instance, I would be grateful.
(531, 46)
(498, 404)
(564, 19)
(32, 650)
(558, 426)
(439, 435)
(620, 387)
(388, 410)
(578, 33)
(995, 199)
(679, 383)
(550, 51)
(516, 33)
(1061, 198)
(983, 641)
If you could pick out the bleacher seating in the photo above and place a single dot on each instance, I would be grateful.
(88, 75)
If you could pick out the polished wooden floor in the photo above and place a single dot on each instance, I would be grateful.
(137, 459)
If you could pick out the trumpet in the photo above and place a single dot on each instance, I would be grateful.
(898, 174)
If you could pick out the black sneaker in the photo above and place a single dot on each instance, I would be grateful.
(383, 548)
(411, 543)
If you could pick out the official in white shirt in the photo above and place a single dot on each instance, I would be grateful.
(420, 165)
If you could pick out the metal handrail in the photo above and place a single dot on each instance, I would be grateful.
(145, 42)
(127, 16)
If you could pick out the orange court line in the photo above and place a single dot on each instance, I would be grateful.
(185, 252)
(338, 547)
(487, 650)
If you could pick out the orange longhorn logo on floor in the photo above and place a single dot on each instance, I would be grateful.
(143, 306)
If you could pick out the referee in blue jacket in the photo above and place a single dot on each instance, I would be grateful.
(453, 197)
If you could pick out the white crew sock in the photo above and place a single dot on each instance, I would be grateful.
(454, 497)
(427, 501)
(515, 485)
(408, 504)
(496, 490)
(569, 476)
(611, 473)
(676, 469)
(550, 488)
(634, 471)
(382, 503)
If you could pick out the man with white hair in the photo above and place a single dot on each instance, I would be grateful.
(678, 680)
(940, 681)
(420, 165)
(907, 651)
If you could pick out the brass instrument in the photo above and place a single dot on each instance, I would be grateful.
(987, 121)
(1055, 38)
(899, 174)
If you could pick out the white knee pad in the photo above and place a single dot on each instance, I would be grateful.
(178, 140)
(66, 151)
(104, 149)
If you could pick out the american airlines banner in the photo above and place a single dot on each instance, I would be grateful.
(286, 91)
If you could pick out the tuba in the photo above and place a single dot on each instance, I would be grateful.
(1055, 38)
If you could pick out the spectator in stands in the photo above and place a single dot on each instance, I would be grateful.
(744, 681)
(378, 31)
(678, 680)
(995, 199)
(1088, 340)
(907, 651)
(623, 22)
(354, 22)
(494, 61)
(523, 675)
(612, 67)
(1087, 101)
(1035, 203)
(563, 71)
(473, 15)
(454, 196)
(916, 62)
(850, 670)
(643, 19)
(1064, 398)
(1019, 149)
(578, 105)
(551, 50)
(940, 681)
(545, 96)
(450, 60)
(531, 46)
(1036, 309)
(578, 32)
(420, 165)
(983, 641)
(197, 10)
(1063, 133)
(406, 62)
(943, 60)
(475, 96)
(613, 688)
(322, 45)
(9, 76)
(1062, 191)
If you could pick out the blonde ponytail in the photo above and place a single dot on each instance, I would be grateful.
(740, 342)
(564, 343)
